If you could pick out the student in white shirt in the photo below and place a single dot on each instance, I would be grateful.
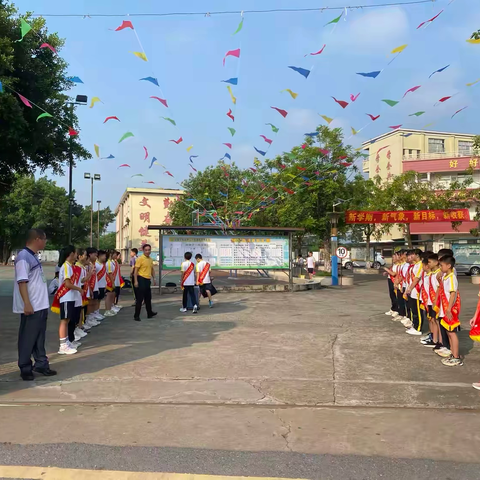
(70, 300)
(93, 318)
(101, 269)
(110, 284)
(118, 282)
(203, 279)
(310, 265)
(188, 282)
(30, 300)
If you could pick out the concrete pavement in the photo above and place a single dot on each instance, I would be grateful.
(322, 376)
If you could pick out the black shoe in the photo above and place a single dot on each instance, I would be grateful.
(137, 319)
(27, 377)
(429, 343)
(45, 371)
(153, 314)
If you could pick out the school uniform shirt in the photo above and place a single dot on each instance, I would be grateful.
(450, 284)
(145, 266)
(190, 280)
(310, 262)
(118, 280)
(433, 282)
(53, 287)
(200, 266)
(95, 286)
(83, 276)
(66, 272)
(417, 273)
(404, 270)
(29, 270)
(426, 286)
(102, 282)
(110, 266)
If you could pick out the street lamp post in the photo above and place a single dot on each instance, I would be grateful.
(79, 100)
(89, 176)
(98, 224)
(333, 245)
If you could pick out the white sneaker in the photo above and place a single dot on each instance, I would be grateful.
(395, 314)
(195, 309)
(74, 345)
(408, 324)
(66, 349)
(110, 313)
(77, 335)
(183, 310)
(87, 326)
(390, 312)
(405, 320)
(115, 309)
(98, 316)
(119, 307)
(412, 331)
(92, 323)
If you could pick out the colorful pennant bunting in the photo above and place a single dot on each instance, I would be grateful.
(229, 145)
(392, 103)
(152, 162)
(274, 128)
(229, 114)
(151, 80)
(47, 45)
(413, 89)
(354, 97)
(370, 74)
(430, 20)
(261, 152)
(146, 153)
(301, 71)
(24, 29)
(232, 131)
(97, 150)
(169, 120)
(240, 26)
(474, 41)
(231, 53)
(43, 115)
(141, 55)
(399, 49)
(111, 118)
(438, 71)
(316, 53)
(180, 140)
(342, 103)
(192, 156)
(94, 101)
(335, 20)
(473, 83)
(126, 135)
(75, 79)
(125, 24)
(24, 100)
(232, 81)
(283, 113)
(458, 111)
(372, 116)
(266, 139)
(416, 114)
(232, 96)
(327, 119)
(161, 100)
(292, 94)
(124, 165)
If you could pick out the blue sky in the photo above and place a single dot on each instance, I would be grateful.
(185, 54)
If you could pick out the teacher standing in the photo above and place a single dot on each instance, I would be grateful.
(143, 274)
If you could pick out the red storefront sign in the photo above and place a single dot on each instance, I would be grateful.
(408, 216)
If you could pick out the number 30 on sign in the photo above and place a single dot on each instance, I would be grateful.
(342, 252)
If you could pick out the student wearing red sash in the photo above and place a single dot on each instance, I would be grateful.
(398, 285)
(426, 305)
(110, 283)
(143, 274)
(203, 279)
(101, 270)
(475, 332)
(391, 273)
(118, 282)
(188, 283)
(413, 292)
(92, 319)
(448, 301)
(87, 274)
(68, 299)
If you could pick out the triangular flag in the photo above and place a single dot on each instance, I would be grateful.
(274, 128)
(189, 148)
(301, 71)
(354, 132)
(24, 28)
(47, 45)
(141, 55)
(126, 135)
(283, 113)
(232, 131)
(169, 120)
(24, 100)
(392, 103)
(468, 84)
(161, 100)
(151, 80)
(43, 115)
(292, 94)
(94, 101)
(327, 119)
(75, 79)
(234, 100)
(399, 49)
(335, 20)
(474, 41)
(438, 71)
(266, 139)
(233, 81)
(231, 53)
(260, 151)
(97, 150)
(125, 24)
(240, 26)
(417, 114)
(370, 74)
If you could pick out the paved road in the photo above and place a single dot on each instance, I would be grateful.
(319, 384)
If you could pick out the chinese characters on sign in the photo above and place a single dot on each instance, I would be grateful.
(461, 164)
(408, 216)
(144, 202)
(145, 216)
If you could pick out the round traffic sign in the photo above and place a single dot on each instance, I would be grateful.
(342, 252)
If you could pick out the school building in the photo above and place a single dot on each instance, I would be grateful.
(439, 157)
(138, 208)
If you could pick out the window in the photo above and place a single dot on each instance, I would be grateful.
(422, 177)
(444, 180)
(411, 153)
(436, 145)
(465, 147)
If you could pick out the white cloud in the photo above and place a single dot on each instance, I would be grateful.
(302, 119)
(376, 31)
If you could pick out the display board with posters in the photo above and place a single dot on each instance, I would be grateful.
(228, 252)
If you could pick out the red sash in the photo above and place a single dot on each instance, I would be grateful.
(92, 282)
(424, 294)
(84, 288)
(63, 289)
(203, 273)
(115, 272)
(102, 272)
(475, 331)
(187, 273)
(454, 321)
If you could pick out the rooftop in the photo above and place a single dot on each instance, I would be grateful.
(148, 191)
(366, 144)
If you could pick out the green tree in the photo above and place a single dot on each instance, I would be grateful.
(108, 241)
(42, 204)
(406, 192)
(39, 75)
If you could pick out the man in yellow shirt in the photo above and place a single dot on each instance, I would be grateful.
(143, 274)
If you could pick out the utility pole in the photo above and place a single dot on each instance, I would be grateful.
(70, 179)
(89, 176)
(98, 224)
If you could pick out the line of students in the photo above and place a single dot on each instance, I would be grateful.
(423, 289)
(85, 278)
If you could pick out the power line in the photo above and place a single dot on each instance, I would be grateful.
(233, 12)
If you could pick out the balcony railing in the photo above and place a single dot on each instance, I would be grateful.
(366, 165)
(437, 155)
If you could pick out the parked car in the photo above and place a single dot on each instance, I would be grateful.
(349, 264)
(468, 269)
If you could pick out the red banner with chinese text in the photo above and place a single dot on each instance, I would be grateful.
(408, 216)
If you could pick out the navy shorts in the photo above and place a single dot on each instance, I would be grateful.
(117, 291)
(99, 294)
(310, 270)
(69, 311)
(209, 287)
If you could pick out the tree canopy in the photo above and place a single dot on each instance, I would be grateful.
(42, 204)
(40, 76)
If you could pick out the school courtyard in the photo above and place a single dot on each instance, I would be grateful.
(318, 384)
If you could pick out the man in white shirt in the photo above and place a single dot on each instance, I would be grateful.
(310, 265)
(30, 300)
(188, 282)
